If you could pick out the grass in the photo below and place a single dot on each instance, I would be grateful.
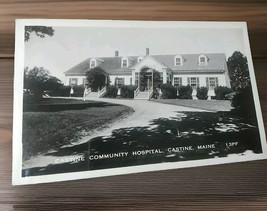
(184, 129)
(44, 131)
(210, 105)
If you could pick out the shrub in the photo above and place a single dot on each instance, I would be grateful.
(185, 92)
(222, 92)
(111, 92)
(168, 91)
(78, 90)
(202, 93)
(63, 91)
(127, 91)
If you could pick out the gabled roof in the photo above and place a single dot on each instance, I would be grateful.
(112, 65)
(216, 62)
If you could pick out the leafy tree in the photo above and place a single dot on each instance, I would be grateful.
(40, 31)
(97, 78)
(238, 71)
(38, 79)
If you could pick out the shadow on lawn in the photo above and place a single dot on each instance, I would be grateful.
(186, 129)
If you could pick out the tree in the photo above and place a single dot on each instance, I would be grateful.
(238, 71)
(40, 31)
(38, 79)
(97, 78)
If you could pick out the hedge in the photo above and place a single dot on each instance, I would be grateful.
(222, 92)
(168, 91)
(202, 93)
(111, 92)
(127, 91)
(185, 92)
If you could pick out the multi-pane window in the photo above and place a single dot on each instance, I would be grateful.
(178, 61)
(136, 76)
(93, 64)
(124, 63)
(85, 81)
(193, 82)
(73, 81)
(202, 60)
(161, 77)
(120, 82)
(177, 81)
(212, 82)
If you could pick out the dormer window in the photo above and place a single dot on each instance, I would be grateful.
(202, 60)
(92, 63)
(178, 60)
(124, 62)
(139, 59)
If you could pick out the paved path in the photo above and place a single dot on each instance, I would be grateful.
(144, 112)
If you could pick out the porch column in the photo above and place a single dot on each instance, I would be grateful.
(164, 77)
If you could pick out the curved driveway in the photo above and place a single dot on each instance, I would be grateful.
(144, 112)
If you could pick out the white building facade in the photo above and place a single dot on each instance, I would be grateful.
(196, 70)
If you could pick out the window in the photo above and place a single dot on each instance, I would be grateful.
(193, 82)
(161, 77)
(212, 82)
(85, 81)
(73, 81)
(92, 63)
(177, 81)
(131, 81)
(124, 62)
(178, 60)
(120, 82)
(136, 76)
(202, 60)
(139, 59)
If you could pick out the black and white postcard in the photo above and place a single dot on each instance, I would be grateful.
(97, 98)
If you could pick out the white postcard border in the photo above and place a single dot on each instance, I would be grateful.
(17, 178)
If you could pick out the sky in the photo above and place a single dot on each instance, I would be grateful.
(71, 45)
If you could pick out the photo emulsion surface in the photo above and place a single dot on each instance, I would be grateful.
(103, 98)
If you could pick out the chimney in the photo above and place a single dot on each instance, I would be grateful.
(147, 51)
(116, 53)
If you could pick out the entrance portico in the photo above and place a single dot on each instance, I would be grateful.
(145, 69)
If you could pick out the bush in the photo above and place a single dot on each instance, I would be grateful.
(185, 92)
(168, 91)
(111, 92)
(78, 90)
(222, 92)
(202, 93)
(62, 91)
(128, 91)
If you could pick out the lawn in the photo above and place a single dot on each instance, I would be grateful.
(44, 131)
(231, 135)
(209, 105)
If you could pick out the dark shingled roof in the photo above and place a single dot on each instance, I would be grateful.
(112, 65)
